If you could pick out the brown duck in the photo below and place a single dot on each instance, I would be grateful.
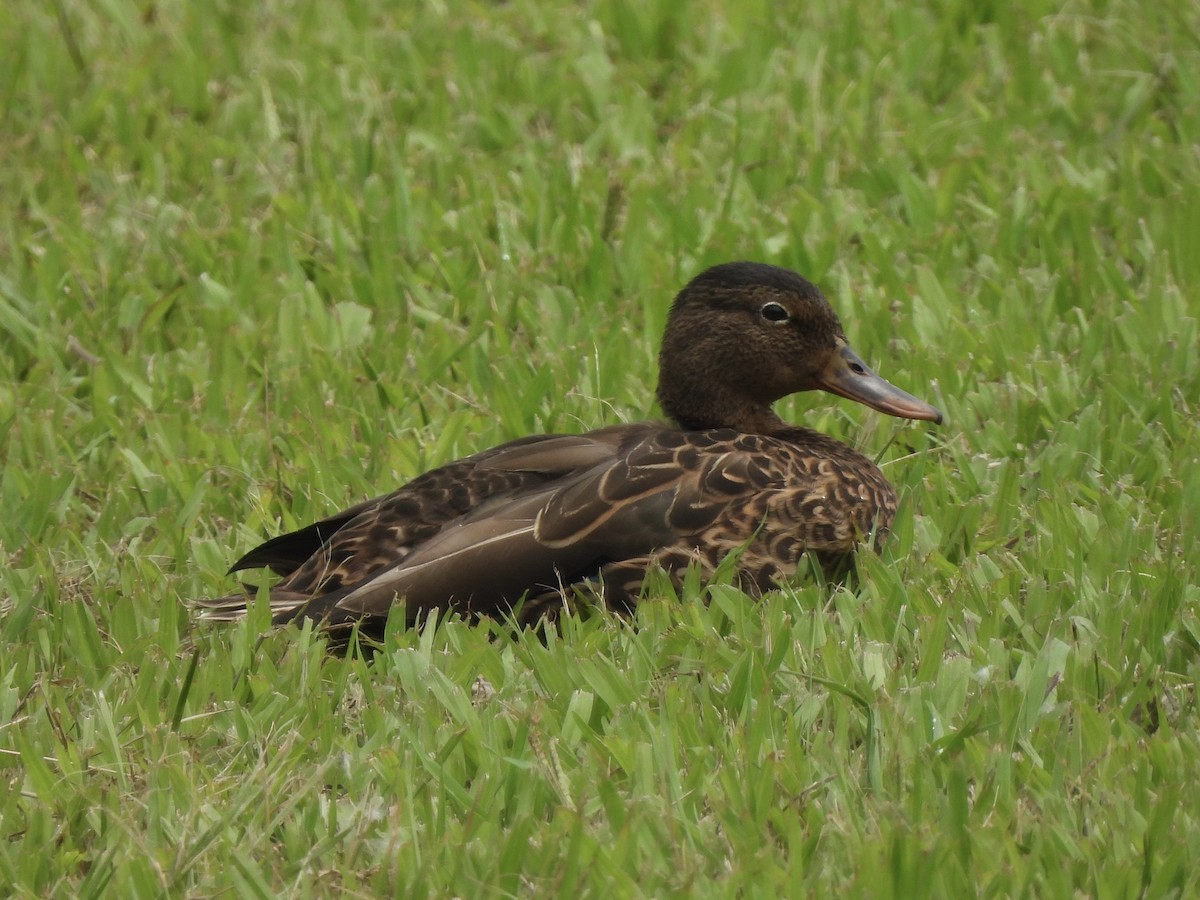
(525, 527)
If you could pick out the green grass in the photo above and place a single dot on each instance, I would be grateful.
(258, 261)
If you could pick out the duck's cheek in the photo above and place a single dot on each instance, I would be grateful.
(777, 378)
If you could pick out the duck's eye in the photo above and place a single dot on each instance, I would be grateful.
(774, 312)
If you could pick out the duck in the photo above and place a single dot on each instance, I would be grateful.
(547, 523)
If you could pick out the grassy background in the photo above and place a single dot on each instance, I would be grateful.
(258, 261)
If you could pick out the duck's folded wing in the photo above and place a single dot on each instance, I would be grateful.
(657, 494)
(648, 492)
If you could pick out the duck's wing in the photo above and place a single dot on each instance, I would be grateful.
(659, 491)
(347, 548)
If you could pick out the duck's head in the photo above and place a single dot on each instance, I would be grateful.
(742, 335)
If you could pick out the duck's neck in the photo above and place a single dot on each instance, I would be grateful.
(718, 407)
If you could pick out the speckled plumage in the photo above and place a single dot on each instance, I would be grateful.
(527, 525)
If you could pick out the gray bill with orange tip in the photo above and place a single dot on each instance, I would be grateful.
(848, 376)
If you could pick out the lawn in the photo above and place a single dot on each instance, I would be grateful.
(259, 261)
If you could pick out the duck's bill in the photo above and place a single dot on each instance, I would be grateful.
(848, 376)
